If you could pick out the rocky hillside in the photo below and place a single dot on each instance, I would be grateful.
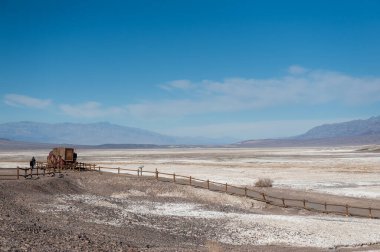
(356, 132)
(354, 128)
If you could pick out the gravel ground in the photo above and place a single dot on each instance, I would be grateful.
(104, 212)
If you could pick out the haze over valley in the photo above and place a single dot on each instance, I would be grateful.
(356, 132)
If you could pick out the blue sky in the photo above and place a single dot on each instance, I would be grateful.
(242, 69)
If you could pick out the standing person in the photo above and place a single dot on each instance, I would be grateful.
(32, 163)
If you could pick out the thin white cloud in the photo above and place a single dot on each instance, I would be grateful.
(89, 110)
(301, 87)
(178, 85)
(295, 69)
(17, 100)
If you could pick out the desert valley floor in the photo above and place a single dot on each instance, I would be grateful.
(90, 211)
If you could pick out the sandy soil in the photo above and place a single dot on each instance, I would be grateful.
(105, 212)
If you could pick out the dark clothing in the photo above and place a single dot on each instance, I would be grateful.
(32, 163)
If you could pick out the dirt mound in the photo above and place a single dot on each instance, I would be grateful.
(85, 213)
(93, 211)
(47, 185)
(25, 228)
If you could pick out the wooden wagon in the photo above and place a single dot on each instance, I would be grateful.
(62, 157)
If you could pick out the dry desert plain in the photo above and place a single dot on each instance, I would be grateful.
(209, 220)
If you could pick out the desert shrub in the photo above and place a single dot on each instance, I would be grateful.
(213, 246)
(264, 182)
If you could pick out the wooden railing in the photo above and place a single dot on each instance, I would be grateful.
(248, 192)
(9, 173)
(251, 193)
(41, 169)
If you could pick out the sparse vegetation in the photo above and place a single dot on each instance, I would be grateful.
(213, 246)
(264, 182)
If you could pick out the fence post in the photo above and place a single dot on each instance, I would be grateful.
(245, 191)
(190, 180)
(264, 197)
(347, 213)
(304, 204)
(208, 184)
(174, 177)
(325, 207)
(226, 187)
(156, 174)
(283, 202)
(370, 212)
(18, 172)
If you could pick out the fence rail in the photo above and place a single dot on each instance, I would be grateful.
(271, 199)
(41, 169)
(268, 198)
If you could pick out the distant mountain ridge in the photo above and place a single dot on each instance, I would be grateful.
(356, 132)
(353, 128)
(90, 134)
(107, 135)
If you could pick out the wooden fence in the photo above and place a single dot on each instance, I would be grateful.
(271, 199)
(251, 193)
(41, 169)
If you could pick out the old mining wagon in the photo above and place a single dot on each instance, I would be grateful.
(62, 157)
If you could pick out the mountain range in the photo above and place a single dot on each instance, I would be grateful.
(107, 135)
(356, 132)
(93, 134)
(367, 127)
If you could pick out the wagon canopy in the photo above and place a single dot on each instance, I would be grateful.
(67, 154)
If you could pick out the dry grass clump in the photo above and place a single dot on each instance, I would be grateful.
(213, 246)
(264, 182)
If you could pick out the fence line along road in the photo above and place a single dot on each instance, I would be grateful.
(271, 199)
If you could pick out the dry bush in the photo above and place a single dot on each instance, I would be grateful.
(264, 182)
(213, 246)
